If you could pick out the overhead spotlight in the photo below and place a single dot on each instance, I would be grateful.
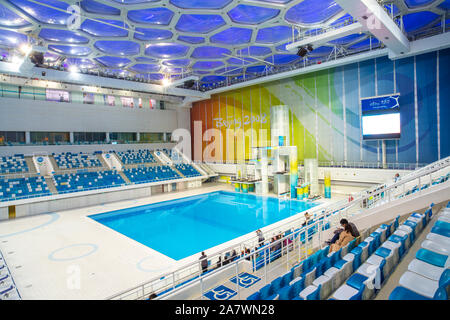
(190, 84)
(17, 61)
(37, 58)
(302, 52)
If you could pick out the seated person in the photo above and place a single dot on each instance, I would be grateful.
(344, 238)
(344, 222)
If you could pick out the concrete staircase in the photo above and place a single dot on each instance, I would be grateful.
(30, 164)
(53, 162)
(50, 185)
(125, 178)
(103, 162)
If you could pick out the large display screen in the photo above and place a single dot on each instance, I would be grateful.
(381, 117)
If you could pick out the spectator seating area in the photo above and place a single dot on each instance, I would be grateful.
(416, 188)
(14, 164)
(428, 275)
(151, 174)
(187, 170)
(8, 288)
(358, 271)
(19, 188)
(130, 157)
(82, 181)
(76, 160)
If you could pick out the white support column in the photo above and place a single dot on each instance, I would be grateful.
(27, 137)
(71, 138)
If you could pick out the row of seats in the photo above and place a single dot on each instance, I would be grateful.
(20, 188)
(74, 182)
(151, 174)
(8, 288)
(435, 181)
(391, 247)
(428, 275)
(76, 160)
(187, 170)
(13, 164)
(136, 156)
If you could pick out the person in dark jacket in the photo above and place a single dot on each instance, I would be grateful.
(204, 262)
(353, 230)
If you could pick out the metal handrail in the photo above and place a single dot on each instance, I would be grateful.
(364, 199)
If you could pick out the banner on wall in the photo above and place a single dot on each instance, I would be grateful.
(381, 103)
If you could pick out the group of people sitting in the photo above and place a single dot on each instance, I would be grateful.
(343, 236)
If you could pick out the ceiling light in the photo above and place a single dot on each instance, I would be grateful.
(302, 52)
(18, 61)
(165, 82)
(73, 69)
(25, 49)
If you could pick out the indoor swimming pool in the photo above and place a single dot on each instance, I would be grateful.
(183, 227)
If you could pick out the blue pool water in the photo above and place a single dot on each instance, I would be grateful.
(183, 227)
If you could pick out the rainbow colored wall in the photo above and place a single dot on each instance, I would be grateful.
(325, 111)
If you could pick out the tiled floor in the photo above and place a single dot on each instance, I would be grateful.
(66, 255)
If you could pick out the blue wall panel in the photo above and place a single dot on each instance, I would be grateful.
(427, 111)
(405, 86)
(444, 94)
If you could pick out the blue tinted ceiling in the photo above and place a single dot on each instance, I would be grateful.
(312, 11)
(151, 38)
(200, 4)
(43, 13)
(199, 23)
(233, 36)
(246, 14)
(10, 19)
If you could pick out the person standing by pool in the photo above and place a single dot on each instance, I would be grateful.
(204, 262)
(260, 237)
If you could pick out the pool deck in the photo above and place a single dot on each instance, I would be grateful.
(66, 255)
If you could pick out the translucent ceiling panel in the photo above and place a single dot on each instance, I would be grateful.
(147, 34)
(312, 11)
(208, 52)
(177, 63)
(160, 16)
(113, 62)
(246, 14)
(145, 68)
(173, 70)
(80, 63)
(191, 40)
(274, 34)
(207, 65)
(61, 35)
(320, 52)
(445, 5)
(230, 71)
(348, 39)
(256, 69)
(134, 1)
(233, 36)
(166, 50)
(417, 20)
(9, 19)
(105, 28)
(42, 13)
(211, 79)
(254, 51)
(365, 44)
(200, 4)
(282, 58)
(70, 50)
(199, 23)
(92, 6)
(417, 3)
(345, 19)
(118, 48)
(241, 61)
(145, 59)
(275, 1)
(11, 38)
(151, 76)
